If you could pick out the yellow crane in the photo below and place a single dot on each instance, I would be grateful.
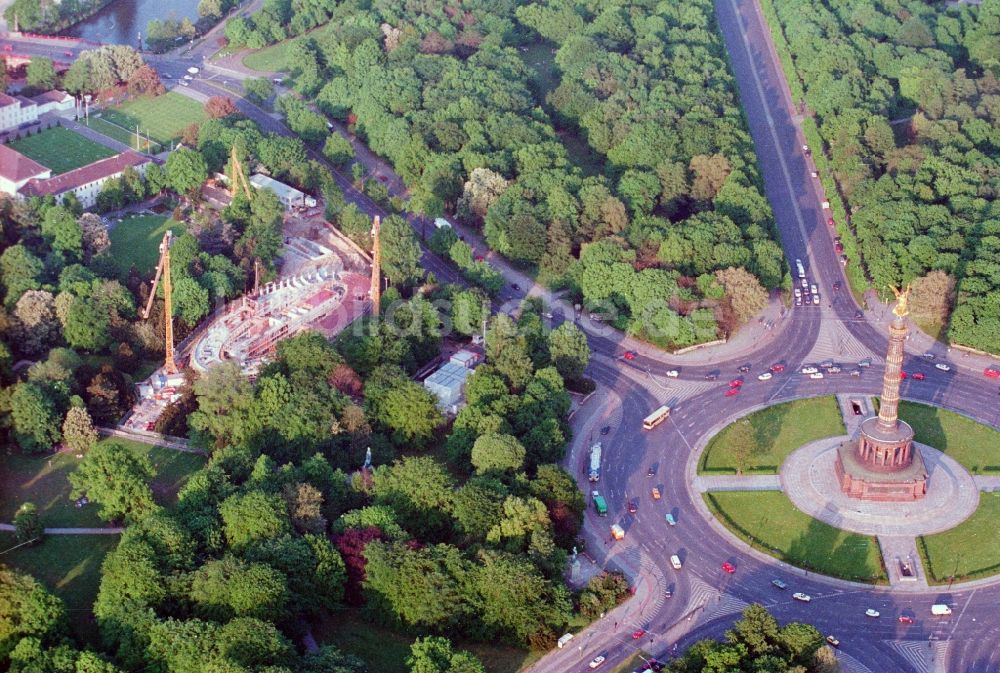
(163, 269)
(238, 179)
(376, 288)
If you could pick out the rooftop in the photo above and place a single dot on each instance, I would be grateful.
(261, 181)
(16, 167)
(85, 174)
(54, 96)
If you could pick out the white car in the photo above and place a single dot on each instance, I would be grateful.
(809, 370)
(185, 82)
(805, 284)
(814, 289)
(816, 299)
(597, 661)
(766, 376)
(871, 613)
(188, 77)
(799, 596)
(193, 70)
(673, 373)
(943, 367)
(816, 375)
(798, 292)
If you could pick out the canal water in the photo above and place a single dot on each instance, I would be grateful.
(122, 20)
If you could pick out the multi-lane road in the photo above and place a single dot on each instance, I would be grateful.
(961, 643)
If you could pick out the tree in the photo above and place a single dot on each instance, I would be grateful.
(230, 587)
(742, 443)
(27, 525)
(191, 300)
(569, 351)
(338, 149)
(400, 252)
(218, 107)
(37, 325)
(420, 490)
(35, 418)
(186, 171)
(20, 271)
(497, 452)
(407, 409)
(41, 74)
(305, 507)
(710, 173)
(253, 516)
(87, 326)
(116, 478)
(481, 191)
(145, 82)
(258, 89)
(745, 294)
(78, 430)
(27, 610)
(61, 231)
(225, 398)
(434, 654)
(94, 234)
(932, 296)
(109, 395)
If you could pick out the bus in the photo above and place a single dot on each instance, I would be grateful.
(800, 268)
(656, 418)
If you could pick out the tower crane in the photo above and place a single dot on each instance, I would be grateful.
(163, 269)
(238, 182)
(376, 289)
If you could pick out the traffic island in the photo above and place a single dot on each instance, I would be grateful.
(968, 551)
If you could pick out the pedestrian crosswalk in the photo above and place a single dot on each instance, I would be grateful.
(835, 342)
(924, 657)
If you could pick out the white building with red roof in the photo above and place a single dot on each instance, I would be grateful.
(16, 170)
(87, 181)
(18, 110)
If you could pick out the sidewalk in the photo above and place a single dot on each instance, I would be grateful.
(91, 134)
(70, 531)
(746, 482)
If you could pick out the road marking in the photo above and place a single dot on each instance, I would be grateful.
(958, 620)
(774, 136)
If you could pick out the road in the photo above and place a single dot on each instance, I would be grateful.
(705, 600)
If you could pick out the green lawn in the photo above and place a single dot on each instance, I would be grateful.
(69, 565)
(61, 150)
(115, 132)
(778, 431)
(975, 446)
(385, 650)
(770, 522)
(164, 117)
(136, 240)
(45, 482)
(967, 551)
(275, 57)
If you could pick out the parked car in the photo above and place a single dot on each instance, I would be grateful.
(815, 300)
(798, 301)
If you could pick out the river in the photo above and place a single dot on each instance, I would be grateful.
(122, 20)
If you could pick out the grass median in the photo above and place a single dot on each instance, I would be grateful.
(969, 550)
(768, 521)
(974, 445)
(761, 445)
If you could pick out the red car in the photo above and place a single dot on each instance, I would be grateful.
(736, 383)
(732, 391)
(629, 355)
(830, 221)
(991, 373)
(919, 376)
(902, 376)
(729, 567)
(776, 368)
(637, 634)
(903, 619)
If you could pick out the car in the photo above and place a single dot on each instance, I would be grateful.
(833, 641)
(193, 70)
(651, 471)
(991, 373)
(826, 364)
(859, 314)
(919, 376)
(865, 363)
(68, 53)
(904, 619)
(903, 375)
(736, 383)
(816, 300)
(517, 288)
(667, 593)
(597, 661)
(655, 493)
(629, 355)
(673, 373)
(711, 376)
(805, 148)
(729, 567)
(805, 283)
(744, 369)
(838, 247)
(638, 633)
(929, 356)
(836, 286)
(732, 392)
(779, 584)
(150, 426)
(799, 596)
(632, 507)
(188, 77)
(943, 367)
(872, 612)
(777, 368)
(835, 369)
(816, 375)
(675, 562)
(798, 292)
(670, 519)
(809, 369)
(798, 301)
(855, 373)
(606, 429)
(185, 82)
(814, 289)
(765, 376)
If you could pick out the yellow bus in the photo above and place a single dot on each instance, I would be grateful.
(656, 418)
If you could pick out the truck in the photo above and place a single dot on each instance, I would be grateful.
(801, 269)
(563, 640)
(617, 532)
(595, 462)
(940, 609)
(599, 504)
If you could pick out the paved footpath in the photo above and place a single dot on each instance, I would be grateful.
(746, 482)
(71, 531)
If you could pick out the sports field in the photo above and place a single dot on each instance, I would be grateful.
(136, 240)
(163, 118)
(61, 150)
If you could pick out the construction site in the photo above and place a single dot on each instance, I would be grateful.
(325, 283)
